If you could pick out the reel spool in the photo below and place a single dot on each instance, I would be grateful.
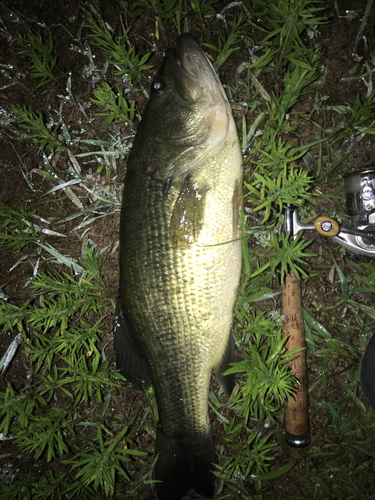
(360, 205)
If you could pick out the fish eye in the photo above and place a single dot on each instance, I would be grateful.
(157, 86)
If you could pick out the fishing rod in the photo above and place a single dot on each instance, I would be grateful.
(359, 239)
(296, 410)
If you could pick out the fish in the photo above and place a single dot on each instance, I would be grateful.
(368, 373)
(180, 262)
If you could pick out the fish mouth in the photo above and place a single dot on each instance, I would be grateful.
(194, 61)
(192, 57)
(188, 59)
(192, 71)
(198, 67)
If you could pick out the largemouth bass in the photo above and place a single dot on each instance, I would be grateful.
(180, 261)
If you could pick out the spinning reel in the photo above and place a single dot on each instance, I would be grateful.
(360, 203)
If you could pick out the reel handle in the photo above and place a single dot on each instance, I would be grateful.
(359, 240)
(326, 226)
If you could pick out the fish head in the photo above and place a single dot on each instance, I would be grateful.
(188, 115)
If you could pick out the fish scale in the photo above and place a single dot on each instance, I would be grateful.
(180, 261)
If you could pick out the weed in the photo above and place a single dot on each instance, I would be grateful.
(117, 109)
(229, 41)
(120, 53)
(165, 10)
(41, 53)
(42, 136)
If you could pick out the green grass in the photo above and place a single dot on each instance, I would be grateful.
(62, 414)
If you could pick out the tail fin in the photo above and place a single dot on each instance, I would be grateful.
(183, 465)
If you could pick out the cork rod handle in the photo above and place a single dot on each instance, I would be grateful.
(296, 414)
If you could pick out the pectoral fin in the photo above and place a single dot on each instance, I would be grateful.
(188, 214)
